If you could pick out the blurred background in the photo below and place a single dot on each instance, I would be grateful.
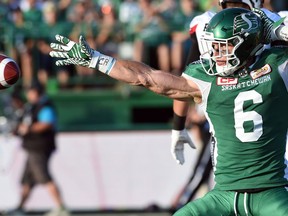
(114, 140)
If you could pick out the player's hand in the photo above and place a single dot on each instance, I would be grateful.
(272, 30)
(267, 23)
(179, 138)
(73, 53)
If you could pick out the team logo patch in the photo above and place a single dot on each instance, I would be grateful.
(226, 81)
(260, 72)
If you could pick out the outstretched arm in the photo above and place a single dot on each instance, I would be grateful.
(160, 82)
(131, 72)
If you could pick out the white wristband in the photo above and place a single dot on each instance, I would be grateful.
(101, 62)
(176, 133)
(105, 64)
(94, 59)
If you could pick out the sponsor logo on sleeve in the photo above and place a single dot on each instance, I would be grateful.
(266, 69)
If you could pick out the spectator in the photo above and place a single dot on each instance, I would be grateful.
(85, 18)
(27, 17)
(32, 11)
(152, 33)
(22, 45)
(106, 39)
(110, 32)
(128, 9)
(62, 8)
(4, 11)
(38, 132)
(180, 36)
(48, 28)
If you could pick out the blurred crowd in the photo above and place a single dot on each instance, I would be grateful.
(151, 31)
(141, 30)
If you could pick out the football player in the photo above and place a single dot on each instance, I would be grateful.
(243, 91)
(179, 133)
(179, 136)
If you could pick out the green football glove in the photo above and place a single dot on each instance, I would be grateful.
(268, 25)
(272, 30)
(74, 53)
(80, 54)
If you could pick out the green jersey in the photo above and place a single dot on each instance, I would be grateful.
(248, 118)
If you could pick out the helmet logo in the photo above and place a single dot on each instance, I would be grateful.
(245, 23)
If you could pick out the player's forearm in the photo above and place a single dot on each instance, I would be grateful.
(131, 72)
(180, 107)
(136, 73)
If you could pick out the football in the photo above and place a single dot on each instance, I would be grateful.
(9, 72)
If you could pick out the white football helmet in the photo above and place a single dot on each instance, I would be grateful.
(250, 3)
